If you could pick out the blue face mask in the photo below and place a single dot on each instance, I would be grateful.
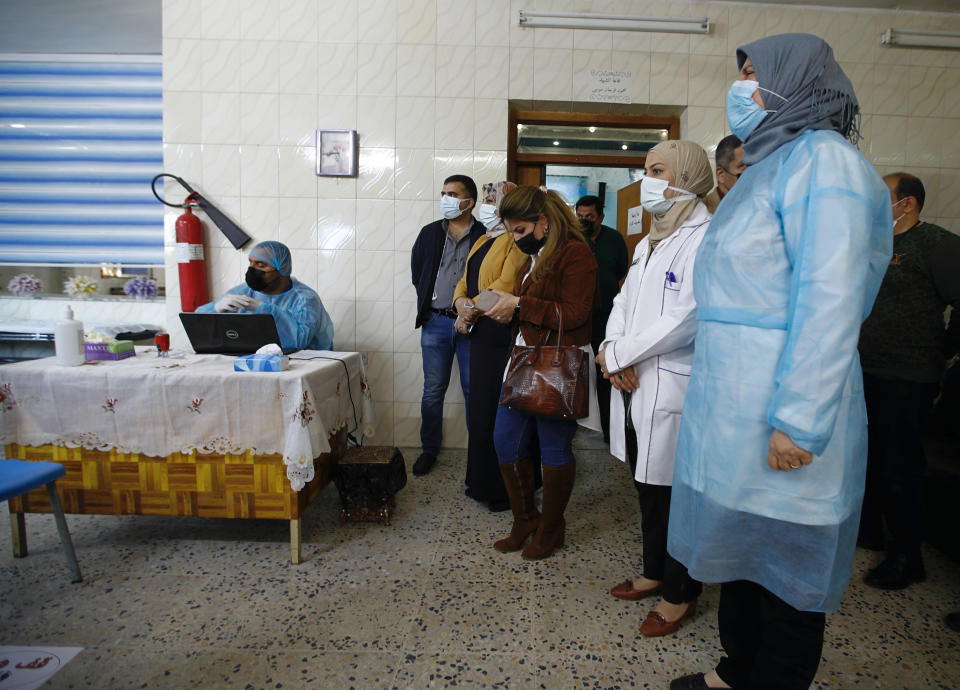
(743, 113)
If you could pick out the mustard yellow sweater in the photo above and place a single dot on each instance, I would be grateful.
(499, 268)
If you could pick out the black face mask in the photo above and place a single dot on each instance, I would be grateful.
(256, 279)
(529, 244)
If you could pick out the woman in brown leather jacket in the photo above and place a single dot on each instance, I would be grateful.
(561, 272)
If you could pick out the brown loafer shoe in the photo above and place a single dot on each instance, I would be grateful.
(626, 591)
(655, 625)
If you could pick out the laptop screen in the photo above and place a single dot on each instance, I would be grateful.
(229, 334)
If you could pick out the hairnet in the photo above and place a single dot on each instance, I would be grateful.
(274, 253)
(801, 69)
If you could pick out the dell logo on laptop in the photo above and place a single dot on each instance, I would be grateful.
(232, 334)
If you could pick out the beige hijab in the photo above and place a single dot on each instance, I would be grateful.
(690, 167)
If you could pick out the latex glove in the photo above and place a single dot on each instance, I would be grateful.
(249, 303)
(230, 303)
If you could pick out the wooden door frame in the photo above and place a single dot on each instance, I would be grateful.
(517, 115)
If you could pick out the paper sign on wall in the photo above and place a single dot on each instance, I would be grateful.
(610, 86)
(635, 220)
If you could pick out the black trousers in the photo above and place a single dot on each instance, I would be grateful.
(897, 412)
(603, 393)
(490, 346)
(769, 644)
(678, 586)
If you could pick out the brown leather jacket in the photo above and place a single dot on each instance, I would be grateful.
(570, 282)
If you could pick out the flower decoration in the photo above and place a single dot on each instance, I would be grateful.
(25, 285)
(80, 286)
(141, 287)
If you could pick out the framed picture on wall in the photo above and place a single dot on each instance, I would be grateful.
(337, 152)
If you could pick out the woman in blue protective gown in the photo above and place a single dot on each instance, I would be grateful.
(771, 458)
(302, 322)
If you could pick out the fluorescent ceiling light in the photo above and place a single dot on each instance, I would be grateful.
(614, 22)
(921, 39)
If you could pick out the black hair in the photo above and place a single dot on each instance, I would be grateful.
(725, 149)
(909, 185)
(466, 182)
(590, 200)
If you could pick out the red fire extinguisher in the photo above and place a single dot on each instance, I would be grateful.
(190, 260)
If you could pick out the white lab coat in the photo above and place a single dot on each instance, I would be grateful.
(651, 328)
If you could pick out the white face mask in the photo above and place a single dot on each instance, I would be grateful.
(652, 199)
(450, 207)
(897, 219)
(487, 214)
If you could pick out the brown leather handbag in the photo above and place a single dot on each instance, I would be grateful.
(548, 381)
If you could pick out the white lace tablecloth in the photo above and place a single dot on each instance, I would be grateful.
(198, 404)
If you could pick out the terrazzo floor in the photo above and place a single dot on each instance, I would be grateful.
(423, 603)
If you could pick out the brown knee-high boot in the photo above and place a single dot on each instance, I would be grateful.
(557, 487)
(518, 478)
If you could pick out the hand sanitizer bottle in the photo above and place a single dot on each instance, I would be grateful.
(68, 340)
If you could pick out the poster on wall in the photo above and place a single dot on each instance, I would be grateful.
(610, 86)
(337, 152)
(635, 220)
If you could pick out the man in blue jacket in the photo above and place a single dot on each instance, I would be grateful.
(437, 262)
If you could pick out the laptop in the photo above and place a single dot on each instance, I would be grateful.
(230, 334)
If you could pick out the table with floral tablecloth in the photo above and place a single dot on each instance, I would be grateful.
(218, 425)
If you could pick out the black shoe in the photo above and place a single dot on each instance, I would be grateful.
(424, 463)
(871, 544)
(896, 572)
(953, 621)
(499, 506)
(695, 681)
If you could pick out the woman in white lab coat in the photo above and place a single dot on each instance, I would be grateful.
(647, 355)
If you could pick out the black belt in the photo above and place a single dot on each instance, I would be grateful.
(450, 313)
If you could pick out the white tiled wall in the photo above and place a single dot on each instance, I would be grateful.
(426, 83)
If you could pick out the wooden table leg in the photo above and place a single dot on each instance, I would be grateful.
(18, 531)
(295, 541)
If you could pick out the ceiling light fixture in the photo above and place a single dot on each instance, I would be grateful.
(614, 22)
(920, 39)
(556, 143)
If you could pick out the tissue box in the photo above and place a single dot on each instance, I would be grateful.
(261, 363)
(120, 349)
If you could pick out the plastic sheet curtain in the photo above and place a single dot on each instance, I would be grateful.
(80, 139)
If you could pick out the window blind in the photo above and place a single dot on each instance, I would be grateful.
(80, 139)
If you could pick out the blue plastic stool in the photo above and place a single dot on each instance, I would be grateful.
(17, 477)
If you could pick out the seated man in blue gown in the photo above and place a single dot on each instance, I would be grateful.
(302, 322)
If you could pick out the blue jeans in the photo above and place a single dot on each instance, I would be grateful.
(514, 430)
(439, 343)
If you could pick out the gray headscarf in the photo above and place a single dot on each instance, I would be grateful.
(800, 68)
